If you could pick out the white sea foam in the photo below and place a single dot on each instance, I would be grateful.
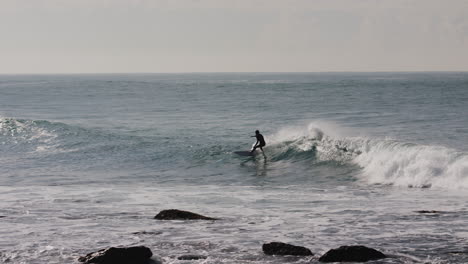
(383, 161)
(26, 131)
(313, 130)
(391, 162)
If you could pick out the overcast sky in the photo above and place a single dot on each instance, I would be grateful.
(102, 36)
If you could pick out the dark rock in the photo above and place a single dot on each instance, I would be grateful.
(130, 255)
(424, 186)
(191, 257)
(278, 248)
(458, 252)
(427, 212)
(174, 214)
(155, 233)
(351, 254)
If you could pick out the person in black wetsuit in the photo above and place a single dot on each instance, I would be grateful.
(260, 141)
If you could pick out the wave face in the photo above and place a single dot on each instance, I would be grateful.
(55, 152)
(383, 161)
(44, 138)
(27, 135)
(317, 142)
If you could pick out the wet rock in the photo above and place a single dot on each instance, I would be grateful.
(428, 212)
(174, 214)
(351, 254)
(155, 233)
(424, 186)
(130, 255)
(154, 261)
(458, 252)
(278, 248)
(191, 257)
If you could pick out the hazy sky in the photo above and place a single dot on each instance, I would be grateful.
(81, 36)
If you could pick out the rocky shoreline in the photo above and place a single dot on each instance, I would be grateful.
(144, 255)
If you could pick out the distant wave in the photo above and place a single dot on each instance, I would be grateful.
(27, 134)
(42, 136)
(383, 161)
(52, 142)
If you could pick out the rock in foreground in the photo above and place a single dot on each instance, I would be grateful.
(351, 254)
(278, 248)
(428, 212)
(191, 257)
(174, 214)
(130, 255)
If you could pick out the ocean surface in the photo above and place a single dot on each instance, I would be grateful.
(87, 161)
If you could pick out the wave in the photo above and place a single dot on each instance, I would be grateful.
(46, 137)
(379, 161)
(26, 134)
(382, 161)
(412, 165)
(317, 142)
(50, 144)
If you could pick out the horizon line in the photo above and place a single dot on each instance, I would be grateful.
(231, 72)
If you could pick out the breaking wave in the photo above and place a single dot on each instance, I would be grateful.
(27, 135)
(382, 161)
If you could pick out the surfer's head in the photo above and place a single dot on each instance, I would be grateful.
(257, 132)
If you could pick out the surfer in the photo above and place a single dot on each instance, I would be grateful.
(260, 141)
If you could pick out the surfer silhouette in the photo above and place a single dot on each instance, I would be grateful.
(260, 141)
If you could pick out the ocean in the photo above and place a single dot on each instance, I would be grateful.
(87, 161)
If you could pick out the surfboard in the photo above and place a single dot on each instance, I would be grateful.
(244, 153)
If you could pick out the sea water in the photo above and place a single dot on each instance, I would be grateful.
(86, 161)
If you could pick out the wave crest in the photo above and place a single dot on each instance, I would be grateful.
(402, 164)
(383, 161)
(26, 133)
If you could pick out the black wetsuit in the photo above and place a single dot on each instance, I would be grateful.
(261, 140)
